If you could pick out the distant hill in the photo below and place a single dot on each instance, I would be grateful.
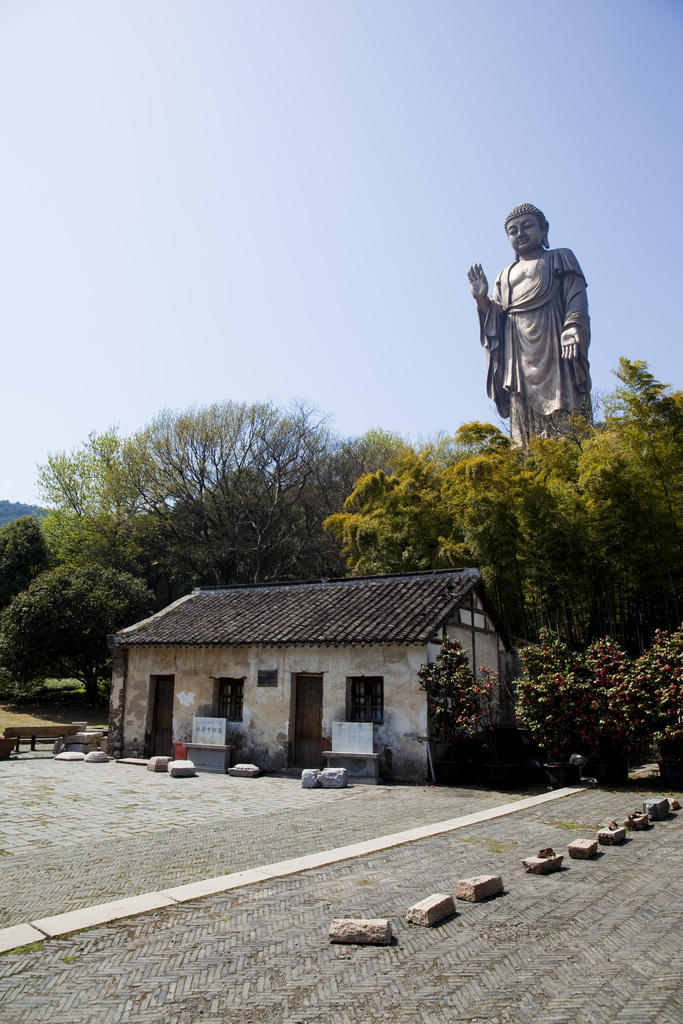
(10, 510)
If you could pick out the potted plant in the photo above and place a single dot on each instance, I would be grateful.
(553, 701)
(490, 693)
(451, 707)
(614, 729)
(656, 689)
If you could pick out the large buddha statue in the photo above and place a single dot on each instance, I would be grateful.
(536, 331)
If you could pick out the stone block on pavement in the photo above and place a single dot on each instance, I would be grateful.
(657, 808)
(363, 932)
(543, 865)
(583, 849)
(181, 769)
(674, 805)
(636, 822)
(478, 888)
(96, 757)
(159, 763)
(70, 755)
(310, 778)
(245, 771)
(333, 778)
(431, 910)
(611, 835)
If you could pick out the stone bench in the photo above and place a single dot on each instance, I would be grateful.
(30, 733)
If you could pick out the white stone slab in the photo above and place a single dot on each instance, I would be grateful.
(211, 886)
(209, 730)
(101, 913)
(19, 935)
(353, 737)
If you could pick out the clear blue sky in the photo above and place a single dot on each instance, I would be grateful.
(278, 199)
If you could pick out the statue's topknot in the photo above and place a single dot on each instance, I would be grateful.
(523, 208)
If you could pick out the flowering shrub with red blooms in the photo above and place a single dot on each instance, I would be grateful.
(554, 697)
(451, 701)
(489, 692)
(656, 689)
(616, 725)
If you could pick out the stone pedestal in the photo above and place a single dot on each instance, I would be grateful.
(359, 767)
(209, 757)
(353, 749)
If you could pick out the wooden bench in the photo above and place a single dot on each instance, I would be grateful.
(44, 733)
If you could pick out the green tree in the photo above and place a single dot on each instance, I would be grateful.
(582, 532)
(238, 493)
(59, 626)
(23, 556)
(96, 517)
(398, 523)
(213, 495)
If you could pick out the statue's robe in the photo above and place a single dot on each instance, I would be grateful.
(527, 377)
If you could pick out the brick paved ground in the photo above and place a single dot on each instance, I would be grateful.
(598, 942)
(73, 834)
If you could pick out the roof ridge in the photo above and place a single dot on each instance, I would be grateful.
(469, 572)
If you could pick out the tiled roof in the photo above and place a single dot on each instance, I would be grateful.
(406, 608)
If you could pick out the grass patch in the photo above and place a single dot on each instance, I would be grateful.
(492, 845)
(571, 826)
(32, 947)
(59, 702)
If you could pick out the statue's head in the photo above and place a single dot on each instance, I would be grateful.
(527, 229)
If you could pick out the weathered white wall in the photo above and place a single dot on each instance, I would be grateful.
(266, 731)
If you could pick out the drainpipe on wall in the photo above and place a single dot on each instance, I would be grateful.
(117, 700)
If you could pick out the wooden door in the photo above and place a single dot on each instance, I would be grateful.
(308, 722)
(162, 716)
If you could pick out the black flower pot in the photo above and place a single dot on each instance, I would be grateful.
(561, 774)
(504, 775)
(453, 773)
(671, 773)
(611, 770)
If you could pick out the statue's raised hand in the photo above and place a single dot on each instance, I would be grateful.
(479, 286)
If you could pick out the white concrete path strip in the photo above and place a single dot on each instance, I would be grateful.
(102, 913)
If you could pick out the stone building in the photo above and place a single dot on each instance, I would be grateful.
(282, 662)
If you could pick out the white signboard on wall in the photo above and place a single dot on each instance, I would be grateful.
(209, 730)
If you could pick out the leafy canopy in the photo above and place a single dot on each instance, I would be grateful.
(59, 625)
